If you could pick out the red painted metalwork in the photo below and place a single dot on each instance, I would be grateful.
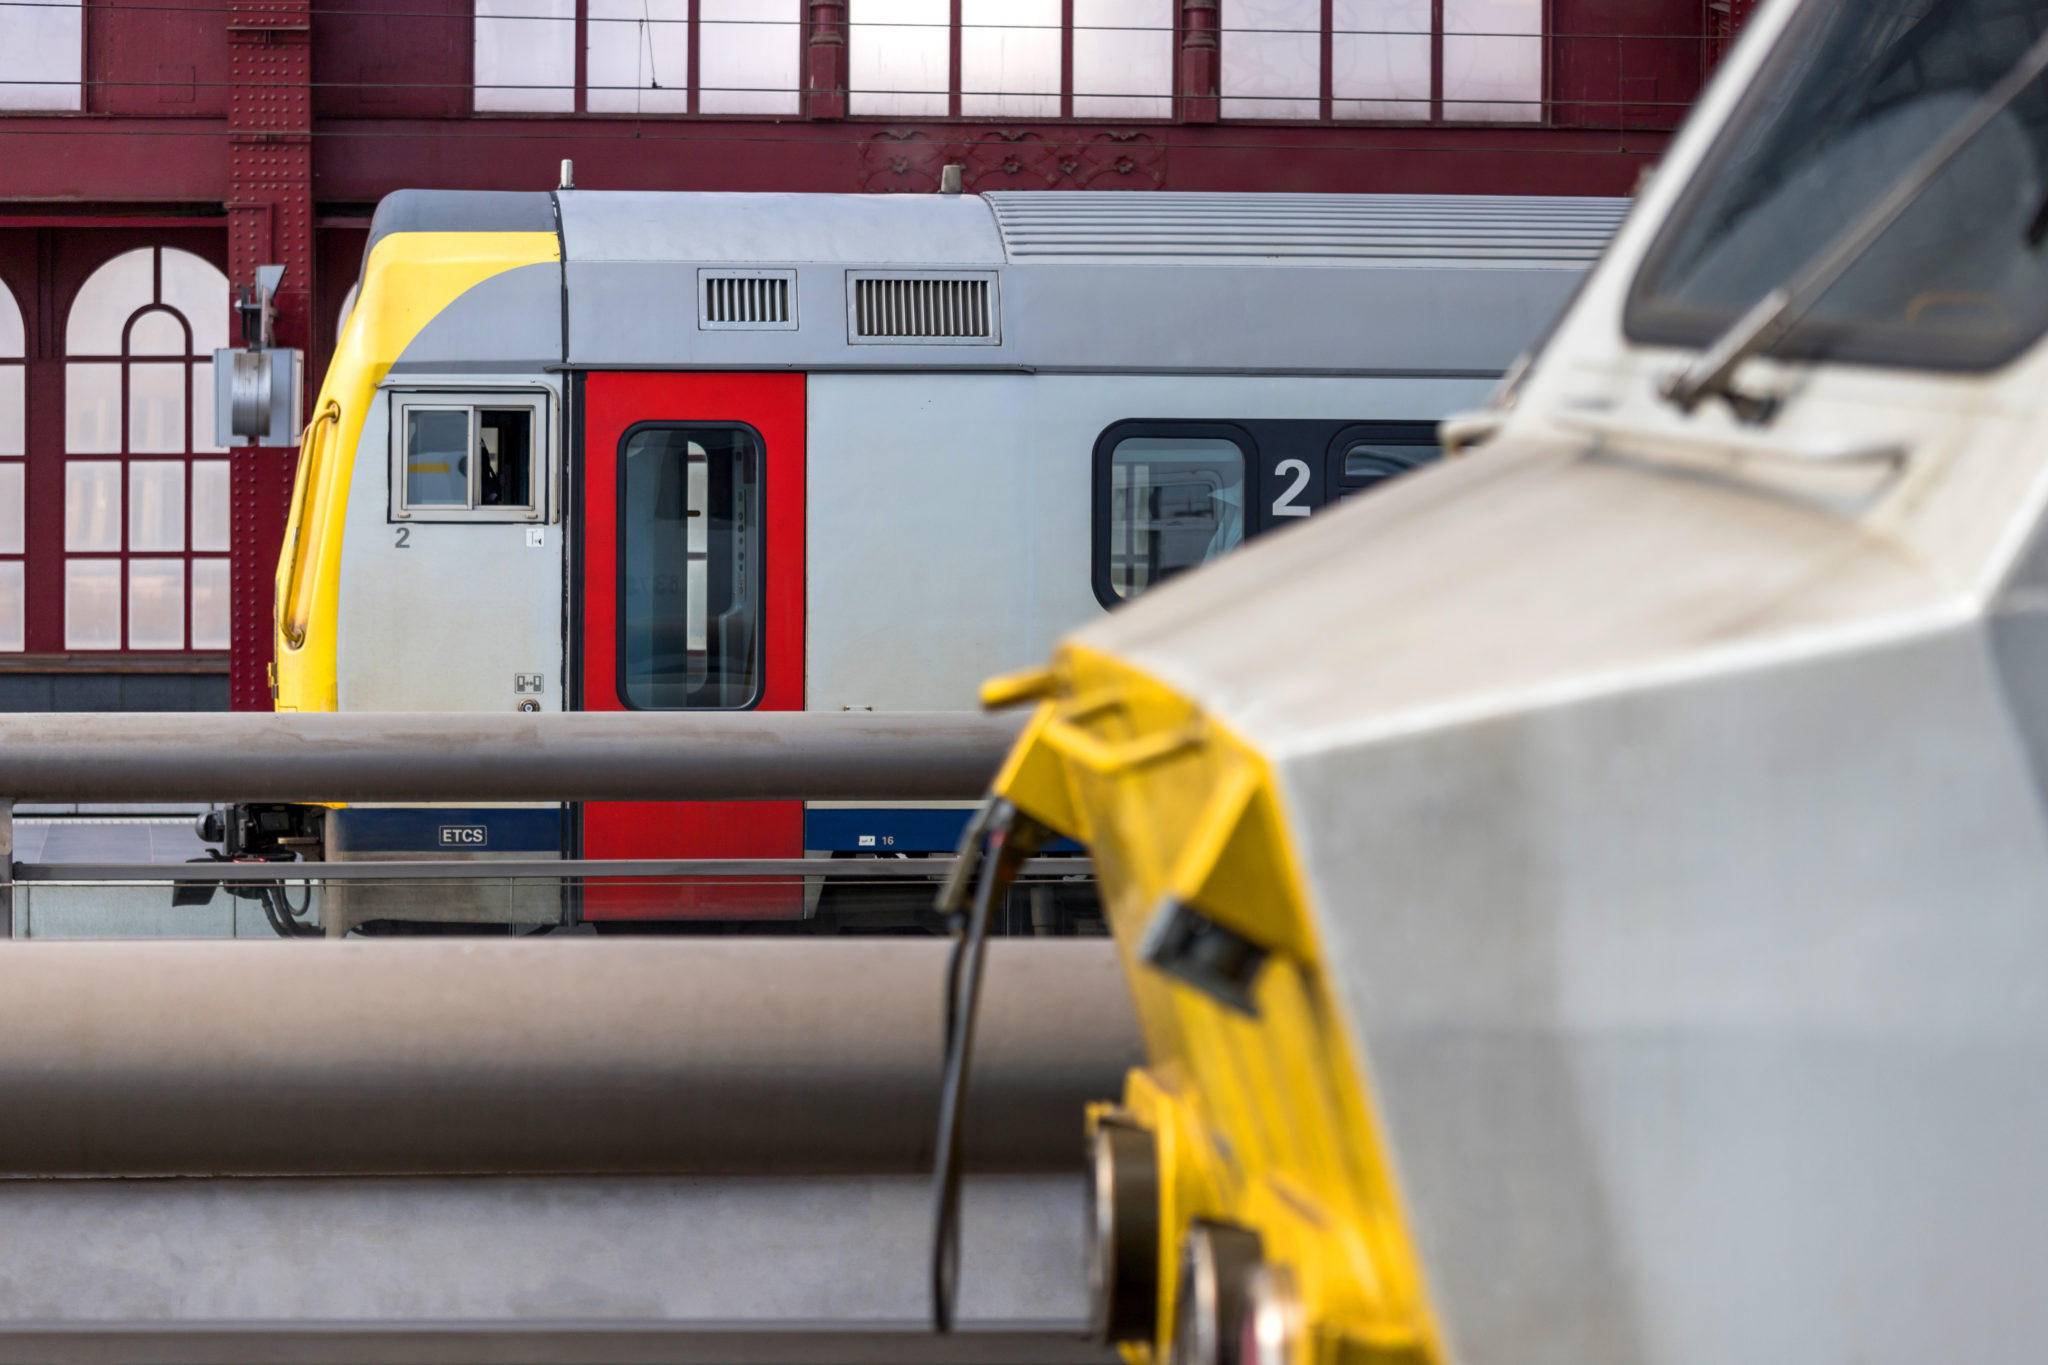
(825, 60)
(953, 60)
(380, 59)
(1628, 64)
(773, 404)
(270, 222)
(1066, 59)
(1198, 68)
(1436, 61)
(1326, 62)
(694, 63)
(157, 62)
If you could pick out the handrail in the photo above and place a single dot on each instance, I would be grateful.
(292, 612)
(508, 756)
(507, 869)
(769, 1056)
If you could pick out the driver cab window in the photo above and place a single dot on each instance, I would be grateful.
(458, 460)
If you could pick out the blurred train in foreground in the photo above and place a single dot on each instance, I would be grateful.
(1588, 904)
(592, 450)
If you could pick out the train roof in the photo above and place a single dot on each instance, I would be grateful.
(1293, 283)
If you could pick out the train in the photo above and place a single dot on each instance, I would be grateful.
(593, 450)
(1588, 902)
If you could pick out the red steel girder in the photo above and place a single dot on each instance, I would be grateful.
(270, 222)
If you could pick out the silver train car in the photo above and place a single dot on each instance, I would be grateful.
(589, 450)
(1588, 904)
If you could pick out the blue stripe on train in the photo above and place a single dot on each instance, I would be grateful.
(892, 830)
(355, 829)
(359, 830)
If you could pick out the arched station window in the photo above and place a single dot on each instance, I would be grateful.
(145, 515)
(13, 485)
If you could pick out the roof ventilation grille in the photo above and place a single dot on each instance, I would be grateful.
(923, 309)
(746, 300)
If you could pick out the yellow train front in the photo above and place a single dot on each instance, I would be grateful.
(1589, 903)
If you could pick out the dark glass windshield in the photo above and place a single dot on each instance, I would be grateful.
(1856, 91)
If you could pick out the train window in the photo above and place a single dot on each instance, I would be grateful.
(1174, 502)
(1367, 454)
(468, 459)
(690, 566)
(504, 476)
(437, 457)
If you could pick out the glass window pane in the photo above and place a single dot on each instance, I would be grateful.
(196, 287)
(1379, 59)
(1368, 464)
(42, 55)
(156, 408)
(13, 412)
(1958, 280)
(209, 505)
(209, 604)
(899, 57)
(1271, 50)
(437, 457)
(156, 505)
(1493, 60)
(156, 333)
(504, 476)
(13, 607)
(748, 53)
(1173, 503)
(92, 505)
(92, 409)
(202, 407)
(92, 604)
(639, 57)
(106, 300)
(156, 604)
(10, 326)
(1123, 58)
(691, 539)
(526, 55)
(1010, 58)
(13, 507)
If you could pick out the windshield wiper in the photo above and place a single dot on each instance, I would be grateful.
(1712, 372)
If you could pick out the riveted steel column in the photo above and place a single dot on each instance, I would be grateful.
(1199, 67)
(270, 222)
(825, 63)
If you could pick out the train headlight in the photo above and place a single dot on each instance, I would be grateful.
(1123, 1233)
(1217, 1264)
(1272, 1328)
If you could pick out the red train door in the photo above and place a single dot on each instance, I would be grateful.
(693, 598)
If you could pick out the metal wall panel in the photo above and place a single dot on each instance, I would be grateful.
(910, 609)
(450, 619)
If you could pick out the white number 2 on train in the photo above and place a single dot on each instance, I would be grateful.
(1285, 505)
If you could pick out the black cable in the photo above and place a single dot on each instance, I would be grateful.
(963, 990)
(1011, 838)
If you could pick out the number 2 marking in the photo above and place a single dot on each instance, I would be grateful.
(405, 536)
(1285, 505)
